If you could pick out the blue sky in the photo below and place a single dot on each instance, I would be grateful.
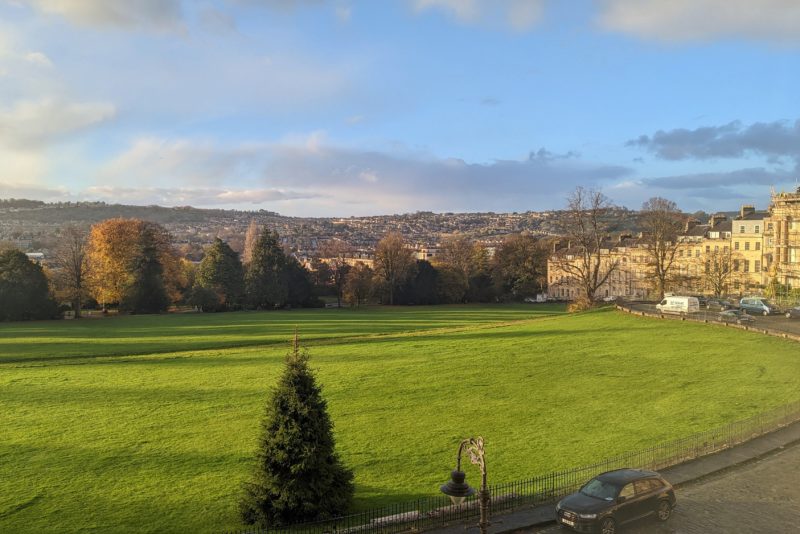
(337, 108)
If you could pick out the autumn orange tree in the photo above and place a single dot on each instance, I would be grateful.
(117, 246)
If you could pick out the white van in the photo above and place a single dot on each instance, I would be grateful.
(679, 305)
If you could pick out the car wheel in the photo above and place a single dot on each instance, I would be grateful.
(608, 526)
(766, 313)
(664, 511)
(788, 315)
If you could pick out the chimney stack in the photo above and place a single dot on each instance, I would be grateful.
(716, 219)
(690, 223)
(746, 210)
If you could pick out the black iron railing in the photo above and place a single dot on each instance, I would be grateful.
(432, 512)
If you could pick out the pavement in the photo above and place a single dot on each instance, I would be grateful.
(775, 324)
(691, 472)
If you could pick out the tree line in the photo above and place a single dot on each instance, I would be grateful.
(132, 265)
(462, 271)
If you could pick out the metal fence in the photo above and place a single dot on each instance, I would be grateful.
(437, 511)
(777, 326)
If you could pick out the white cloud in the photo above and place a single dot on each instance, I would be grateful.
(150, 162)
(693, 20)
(20, 168)
(344, 13)
(38, 58)
(32, 191)
(332, 180)
(32, 123)
(519, 15)
(191, 196)
(147, 14)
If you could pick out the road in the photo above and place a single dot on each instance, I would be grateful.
(762, 497)
(773, 322)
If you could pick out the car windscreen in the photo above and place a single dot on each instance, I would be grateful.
(600, 490)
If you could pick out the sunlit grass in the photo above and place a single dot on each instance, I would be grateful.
(161, 442)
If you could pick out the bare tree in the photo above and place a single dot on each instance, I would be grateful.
(72, 266)
(661, 223)
(393, 262)
(335, 253)
(717, 268)
(358, 285)
(583, 261)
(250, 238)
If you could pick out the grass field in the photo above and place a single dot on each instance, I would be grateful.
(149, 423)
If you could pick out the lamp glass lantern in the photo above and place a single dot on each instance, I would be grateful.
(456, 488)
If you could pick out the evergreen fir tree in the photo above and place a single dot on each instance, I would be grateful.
(147, 293)
(24, 292)
(298, 475)
(266, 282)
(221, 272)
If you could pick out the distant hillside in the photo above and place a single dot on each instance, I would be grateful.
(62, 212)
(34, 225)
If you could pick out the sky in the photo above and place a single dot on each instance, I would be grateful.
(345, 107)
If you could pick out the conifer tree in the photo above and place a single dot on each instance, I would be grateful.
(147, 293)
(24, 293)
(265, 279)
(298, 475)
(221, 271)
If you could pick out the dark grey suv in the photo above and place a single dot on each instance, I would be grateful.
(616, 498)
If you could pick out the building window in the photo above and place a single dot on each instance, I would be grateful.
(735, 245)
(725, 249)
(747, 245)
(708, 249)
(757, 229)
(769, 227)
(716, 248)
(758, 266)
(741, 229)
(697, 253)
(758, 245)
(736, 266)
(708, 266)
(746, 265)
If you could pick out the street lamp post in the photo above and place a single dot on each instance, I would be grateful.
(458, 490)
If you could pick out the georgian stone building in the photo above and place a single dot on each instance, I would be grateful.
(782, 239)
(734, 257)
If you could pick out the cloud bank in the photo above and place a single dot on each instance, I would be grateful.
(518, 15)
(774, 140)
(701, 20)
(312, 176)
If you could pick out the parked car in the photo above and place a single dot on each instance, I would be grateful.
(679, 305)
(616, 498)
(718, 304)
(702, 300)
(735, 316)
(793, 313)
(757, 305)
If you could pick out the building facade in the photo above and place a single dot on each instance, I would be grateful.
(782, 238)
(738, 256)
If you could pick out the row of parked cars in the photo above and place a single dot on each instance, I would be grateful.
(728, 311)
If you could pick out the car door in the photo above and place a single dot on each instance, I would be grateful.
(626, 509)
(646, 496)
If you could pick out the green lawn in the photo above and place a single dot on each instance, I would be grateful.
(161, 442)
(148, 334)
